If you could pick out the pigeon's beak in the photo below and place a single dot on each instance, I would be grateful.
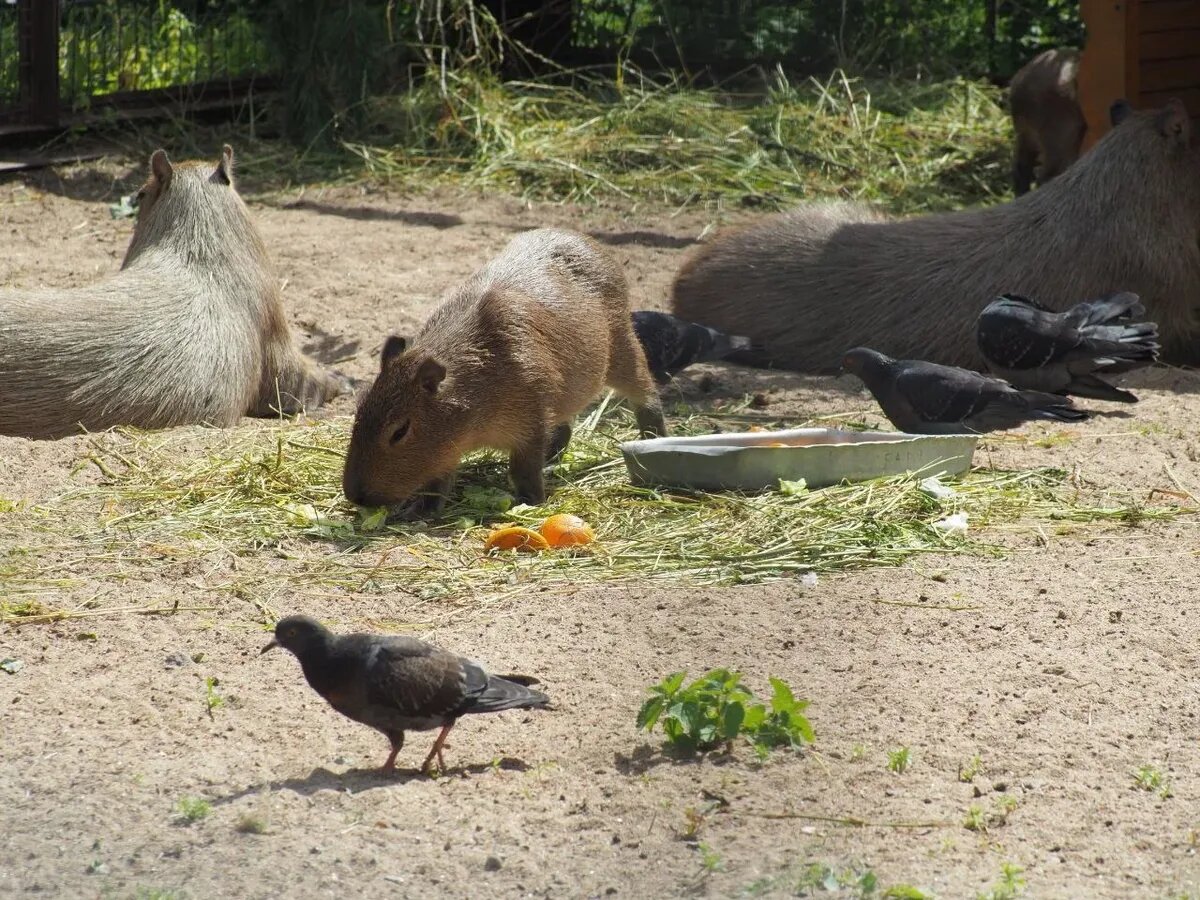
(270, 646)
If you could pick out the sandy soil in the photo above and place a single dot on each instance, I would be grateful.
(1064, 666)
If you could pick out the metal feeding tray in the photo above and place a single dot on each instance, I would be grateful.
(821, 456)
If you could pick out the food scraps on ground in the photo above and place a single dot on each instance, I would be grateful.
(516, 537)
(566, 530)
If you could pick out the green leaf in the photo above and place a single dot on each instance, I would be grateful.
(648, 715)
(672, 683)
(793, 488)
(731, 720)
(754, 717)
(904, 892)
(487, 499)
(782, 700)
(372, 519)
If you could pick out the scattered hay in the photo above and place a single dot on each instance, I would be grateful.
(258, 510)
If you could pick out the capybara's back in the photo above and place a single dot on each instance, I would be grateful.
(1047, 119)
(506, 361)
(820, 279)
(191, 330)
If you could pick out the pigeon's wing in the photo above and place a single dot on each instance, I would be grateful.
(946, 393)
(490, 693)
(1117, 307)
(1014, 334)
(419, 682)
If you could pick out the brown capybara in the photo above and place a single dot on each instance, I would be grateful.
(506, 361)
(820, 279)
(191, 330)
(1048, 121)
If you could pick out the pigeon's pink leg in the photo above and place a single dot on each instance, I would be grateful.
(437, 750)
(390, 765)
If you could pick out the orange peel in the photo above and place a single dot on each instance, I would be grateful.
(516, 537)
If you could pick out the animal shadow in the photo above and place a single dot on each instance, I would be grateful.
(327, 348)
(357, 781)
(369, 214)
(643, 239)
(646, 757)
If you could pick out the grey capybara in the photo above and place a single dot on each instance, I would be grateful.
(820, 279)
(191, 330)
(1048, 121)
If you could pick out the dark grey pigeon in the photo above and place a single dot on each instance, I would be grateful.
(671, 344)
(397, 684)
(1035, 348)
(924, 398)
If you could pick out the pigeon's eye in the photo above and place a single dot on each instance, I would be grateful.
(291, 632)
(400, 433)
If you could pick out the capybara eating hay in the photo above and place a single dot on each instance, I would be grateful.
(506, 361)
(190, 330)
(1048, 122)
(820, 279)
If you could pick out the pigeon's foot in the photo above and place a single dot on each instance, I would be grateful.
(437, 751)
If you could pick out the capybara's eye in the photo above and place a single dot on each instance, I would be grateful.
(400, 433)
(138, 198)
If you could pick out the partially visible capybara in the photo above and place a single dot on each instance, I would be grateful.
(815, 281)
(191, 330)
(506, 361)
(1047, 118)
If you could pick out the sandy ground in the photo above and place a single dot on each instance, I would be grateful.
(1065, 666)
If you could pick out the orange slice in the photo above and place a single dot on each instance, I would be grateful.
(515, 537)
(565, 530)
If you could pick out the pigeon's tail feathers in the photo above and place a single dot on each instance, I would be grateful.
(1096, 389)
(752, 353)
(1052, 407)
(1120, 348)
(505, 693)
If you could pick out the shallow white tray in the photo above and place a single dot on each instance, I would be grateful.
(821, 456)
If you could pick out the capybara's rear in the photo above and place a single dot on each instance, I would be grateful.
(191, 330)
(1047, 119)
(815, 281)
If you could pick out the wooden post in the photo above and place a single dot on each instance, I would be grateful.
(1103, 68)
(39, 60)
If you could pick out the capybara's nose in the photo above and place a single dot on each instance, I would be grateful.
(353, 489)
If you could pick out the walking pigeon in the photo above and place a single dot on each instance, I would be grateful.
(1035, 348)
(925, 398)
(397, 684)
(671, 344)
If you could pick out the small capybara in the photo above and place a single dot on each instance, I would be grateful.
(506, 361)
(1048, 121)
(815, 281)
(191, 330)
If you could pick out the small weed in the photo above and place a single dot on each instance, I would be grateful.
(1010, 886)
(820, 877)
(976, 819)
(193, 809)
(212, 698)
(899, 760)
(858, 752)
(1151, 778)
(710, 858)
(251, 824)
(904, 892)
(715, 709)
(968, 770)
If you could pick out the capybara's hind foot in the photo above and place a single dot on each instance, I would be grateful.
(557, 442)
(650, 421)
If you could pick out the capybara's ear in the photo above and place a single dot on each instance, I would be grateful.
(430, 375)
(160, 167)
(1119, 112)
(224, 171)
(1174, 122)
(392, 348)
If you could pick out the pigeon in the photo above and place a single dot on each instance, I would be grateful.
(1035, 348)
(921, 397)
(397, 684)
(671, 344)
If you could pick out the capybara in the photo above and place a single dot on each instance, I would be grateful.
(506, 361)
(191, 330)
(1048, 121)
(820, 279)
